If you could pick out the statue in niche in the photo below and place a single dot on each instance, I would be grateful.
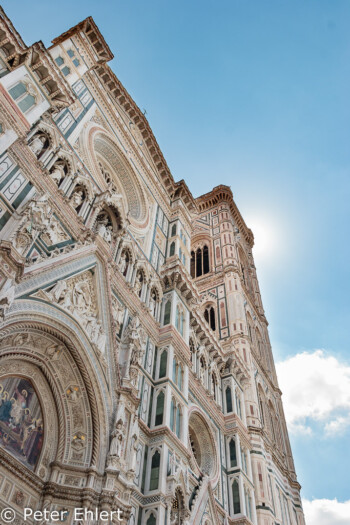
(104, 226)
(135, 437)
(116, 446)
(138, 283)
(37, 145)
(118, 315)
(57, 174)
(136, 354)
(77, 199)
(173, 465)
(153, 302)
(124, 262)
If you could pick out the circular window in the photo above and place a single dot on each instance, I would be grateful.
(202, 444)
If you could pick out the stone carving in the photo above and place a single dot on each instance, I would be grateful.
(38, 218)
(77, 295)
(7, 295)
(104, 227)
(139, 283)
(37, 145)
(77, 198)
(54, 351)
(116, 446)
(73, 393)
(132, 351)
(118, 312)
(135, 435)
(123, 263)
(79, 440)
(57, 174)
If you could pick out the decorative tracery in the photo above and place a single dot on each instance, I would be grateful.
(200, 262)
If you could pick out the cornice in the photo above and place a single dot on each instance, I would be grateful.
(94, 37)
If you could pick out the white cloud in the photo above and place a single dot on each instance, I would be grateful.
(316, 388)
(326, 512)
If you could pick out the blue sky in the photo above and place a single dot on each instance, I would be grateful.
(255, 94)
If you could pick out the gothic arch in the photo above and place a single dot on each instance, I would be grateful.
(60, 355)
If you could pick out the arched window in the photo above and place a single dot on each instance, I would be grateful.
(173, 230)
(182, 323)
(180, 320)
(262, 415)
(213, 385)
(159, 409)
(167, 312)
(172, 415)
(199, 267)
(244, 461)
(172, 249)
(202, 370)
(23, 98)
(209, 316)
(250, 515)
(193, 265)
(238, 405)
(177, 318)
(205, 260)
(200, 262)
(162, 364)
(235, 498)
(174, 370)
(155, 465)
(233, 454)
(179, 377)
(228, 394)
(178, 421)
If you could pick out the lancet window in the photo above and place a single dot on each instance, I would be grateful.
(200, 262)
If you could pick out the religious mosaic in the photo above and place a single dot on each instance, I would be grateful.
(21, 420)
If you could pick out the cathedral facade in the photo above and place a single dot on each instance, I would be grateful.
(136, 372)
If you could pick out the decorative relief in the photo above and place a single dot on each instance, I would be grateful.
(77, 295)
(38, 219)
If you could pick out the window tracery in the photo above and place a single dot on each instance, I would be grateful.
(210, 317)
(200, 262)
